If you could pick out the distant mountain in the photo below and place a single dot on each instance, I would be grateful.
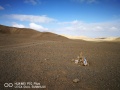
(30, 33)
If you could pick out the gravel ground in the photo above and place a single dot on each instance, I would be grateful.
(49, 63)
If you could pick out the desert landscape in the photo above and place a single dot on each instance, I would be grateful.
(27, 55)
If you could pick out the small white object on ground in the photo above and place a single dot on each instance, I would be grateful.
(76, 80)
(85, 62)
(76, 61)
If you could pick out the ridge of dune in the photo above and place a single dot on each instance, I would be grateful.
(27, 32)
(14, 30)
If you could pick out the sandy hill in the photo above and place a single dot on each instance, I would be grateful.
(27, 55)
(14, 30)
(102, 39)
(29, 33)
(117, 39)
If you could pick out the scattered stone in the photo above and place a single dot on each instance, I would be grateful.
(78, 57)
(76, 61)
(46, 59)
(76, 80)
(81, 60)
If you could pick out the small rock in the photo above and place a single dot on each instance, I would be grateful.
(46, 59)
(72, 60)
(76, 61)
(76, 80)
(58, 76)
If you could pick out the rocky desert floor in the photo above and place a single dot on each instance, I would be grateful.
(50, 63)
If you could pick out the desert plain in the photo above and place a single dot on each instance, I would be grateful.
(31, 56)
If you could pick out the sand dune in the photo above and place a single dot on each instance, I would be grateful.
(93, 39)
(14, 30)
(44, 59)
(29, 33)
